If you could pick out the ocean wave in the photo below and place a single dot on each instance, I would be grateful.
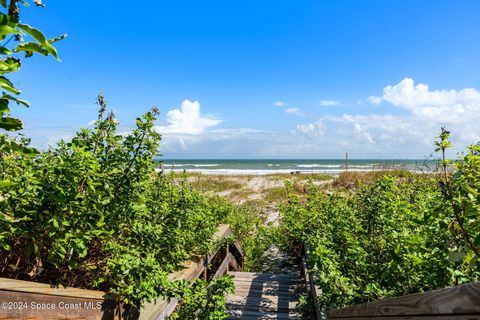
(318, 165)
(205, 165)
(361, 166)
(174, 165)
(273, 165)
(266, 171)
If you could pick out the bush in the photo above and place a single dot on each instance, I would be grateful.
(93, 213)
(390, 238)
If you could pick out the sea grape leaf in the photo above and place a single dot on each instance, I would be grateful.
(18, 101)
(10, 124)
(40, 37)
(6, 183)
(30, 48)
(8, 85)
(8, 65)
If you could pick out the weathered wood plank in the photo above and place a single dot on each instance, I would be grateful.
(424, 317)
(265, 315)
(310, 281)
(233, 263)
(223, 268)
(27, 305)
(264, 296)
(43, 288)
(263, 276)
(460, 300)
(71, 303)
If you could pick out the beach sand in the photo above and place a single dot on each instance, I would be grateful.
(267, 191)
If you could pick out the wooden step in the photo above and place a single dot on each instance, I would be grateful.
(263, 315)
(265, 296)
(265, 276)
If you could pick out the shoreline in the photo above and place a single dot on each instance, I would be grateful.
(270, 172)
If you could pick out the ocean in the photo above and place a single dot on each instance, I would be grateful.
(270, 166)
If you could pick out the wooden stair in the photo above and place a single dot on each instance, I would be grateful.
(265, 296)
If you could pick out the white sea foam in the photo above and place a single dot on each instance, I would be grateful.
(174, 165)
(361, 166)
(319, 165)
(205, 165)
(262, 172)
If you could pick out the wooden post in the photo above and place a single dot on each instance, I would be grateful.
(227, 251)
(346, 161)
(205, 265)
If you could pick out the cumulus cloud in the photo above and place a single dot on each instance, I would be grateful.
(187, 120)
(311, 129)
(447, 106)
(374, 100)
(404, 127)
(329, 103)
(280, 104)
(408, 134)
(294, 111)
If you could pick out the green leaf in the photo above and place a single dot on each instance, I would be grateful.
(18, 101)
(8, 65)
(10, 124)
(6, 30)
(6, 183)
(30, 48)
(40, 37)
(477, 240)
(4, 50)
(7, 85)
(53, 40)
(3, 3)
(4, 106)
(8, 26)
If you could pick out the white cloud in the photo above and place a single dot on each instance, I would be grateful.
(295, 111)
(187, 120)
(375, 100)
(311, 129)
(446, 106)
(280, 104)
(404, 127)
(409, 134)
(329, 103)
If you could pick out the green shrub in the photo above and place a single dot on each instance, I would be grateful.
(93, 213)
(205, 301)
(397, 236)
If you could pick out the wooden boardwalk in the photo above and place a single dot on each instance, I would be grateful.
(265, 296)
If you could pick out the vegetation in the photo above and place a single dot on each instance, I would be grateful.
(205, 300)
(93, 213)
(12, 35)
(356, 179)
(396, 236)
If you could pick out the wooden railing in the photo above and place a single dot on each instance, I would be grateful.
(457, 303)
(32, 300)
(460, 303)
(212, 266)
(309, 275)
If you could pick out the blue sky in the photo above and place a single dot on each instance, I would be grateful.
(262, 79)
